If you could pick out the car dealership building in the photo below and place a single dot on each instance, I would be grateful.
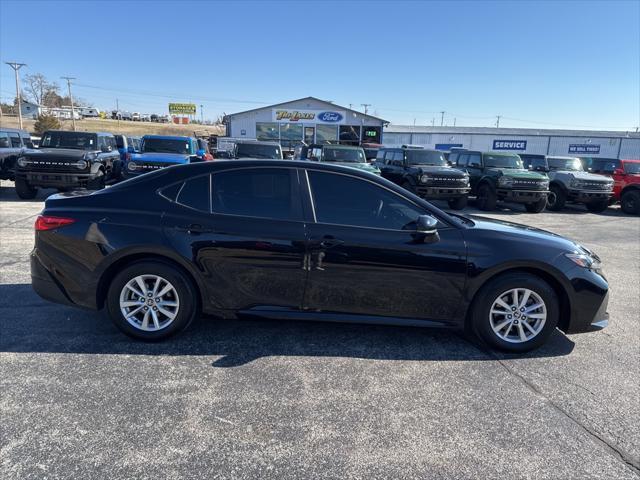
(307, 119)
(584, 143)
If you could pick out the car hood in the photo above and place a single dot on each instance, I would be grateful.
(57, 153)
(591, 177)
(520, 173)
(440, 170)
(160, 157)
(360, 166)
(536, 235)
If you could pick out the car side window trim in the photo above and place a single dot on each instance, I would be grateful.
(427, 211)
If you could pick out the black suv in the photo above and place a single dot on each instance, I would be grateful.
(425, 173)
(67, 160)
(13, 143)
(501, 176)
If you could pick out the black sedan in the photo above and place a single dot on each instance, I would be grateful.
(294, 240)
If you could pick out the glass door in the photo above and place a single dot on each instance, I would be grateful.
(309, 133)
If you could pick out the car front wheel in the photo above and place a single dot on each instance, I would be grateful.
(630, 202)
(597, 206)
(486, 198)
(24, 190)
(458, 203)
(515, 312)
(536, 207)
(151, 300)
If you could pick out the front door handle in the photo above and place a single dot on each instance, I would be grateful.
(328, 241)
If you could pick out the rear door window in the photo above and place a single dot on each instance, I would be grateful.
(195, 193)
(258, 192)
(15, 140)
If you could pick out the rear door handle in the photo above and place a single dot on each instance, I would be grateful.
(328, 241)
(194, 229)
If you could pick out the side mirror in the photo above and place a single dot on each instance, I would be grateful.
(617, 171)
(106, 148)
(426, 229)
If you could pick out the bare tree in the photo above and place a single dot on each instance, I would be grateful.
(37, 88)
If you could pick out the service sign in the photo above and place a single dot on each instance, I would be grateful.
(182, 108)
(510, 145)
(584, 148)
(292, 115)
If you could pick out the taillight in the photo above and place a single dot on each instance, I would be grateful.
(44, 222)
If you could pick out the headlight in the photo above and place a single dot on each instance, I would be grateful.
(544, 184)
(81, 164)
(424, 178)
(132, 166)
(575, 183)
(505, 181)
(585, 259)
(23, 162)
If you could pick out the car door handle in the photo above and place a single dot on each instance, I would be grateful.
(194, 229)
(328, 241)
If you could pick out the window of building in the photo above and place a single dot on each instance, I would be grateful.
(267, 131)
(350, 134)
(326, 133)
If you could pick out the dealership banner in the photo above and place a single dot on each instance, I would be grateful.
(292, 115)
(182, 108)
(584, 148)
(509, 145)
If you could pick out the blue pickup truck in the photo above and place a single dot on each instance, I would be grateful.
(159, 151)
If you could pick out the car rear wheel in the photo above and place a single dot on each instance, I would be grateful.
(458, 203)
(515, 312)
(556, 199)
(24, 190)
(536, 207)
(151, 300)
(598, 206)
(487, 198)
(630, 202)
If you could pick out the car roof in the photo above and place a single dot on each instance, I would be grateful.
(344, 147)
(257, 142)
(168, 137)
(498, 154)
(562, 157)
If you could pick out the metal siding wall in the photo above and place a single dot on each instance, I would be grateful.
(630, 148)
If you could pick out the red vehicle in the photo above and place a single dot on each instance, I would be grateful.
(626, 177)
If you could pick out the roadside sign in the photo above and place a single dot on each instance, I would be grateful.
(182, 108)
(584, 148)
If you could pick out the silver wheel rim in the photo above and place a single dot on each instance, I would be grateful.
(149, 303)
(518, 315)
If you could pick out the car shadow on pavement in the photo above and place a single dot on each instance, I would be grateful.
(8, 194)
(29, 324)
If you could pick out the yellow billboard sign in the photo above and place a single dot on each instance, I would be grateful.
(182, 108)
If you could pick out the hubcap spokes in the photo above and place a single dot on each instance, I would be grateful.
(149, 302)
(518, 315)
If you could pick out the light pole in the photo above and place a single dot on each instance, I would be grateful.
(17, 66)
(73, 114)
(442, 118)
(201, 115)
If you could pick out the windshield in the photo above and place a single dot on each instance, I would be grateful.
(166, 145)
(75, 140)
(502, 161)
(631, 167)
(573, 164)
(256, 150)
(425, 157)
(355, 155)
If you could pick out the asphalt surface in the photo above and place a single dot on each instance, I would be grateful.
(276, 399)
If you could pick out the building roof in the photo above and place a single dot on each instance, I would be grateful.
(330, 104)
(509, 131)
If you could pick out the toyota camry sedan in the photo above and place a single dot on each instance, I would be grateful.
(307, 241)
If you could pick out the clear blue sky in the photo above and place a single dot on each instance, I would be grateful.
(551, 64)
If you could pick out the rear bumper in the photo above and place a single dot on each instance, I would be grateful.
(429, 192)
(45, 285)
(522, 196)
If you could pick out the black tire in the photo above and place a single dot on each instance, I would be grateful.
(408, 187)
(482, 304)
(597, 206)
(458, 203)
(24, 190)
(630, 202)
(188, 301)
(556, 199)
(536, 207)
(486, 198)
(98, 182)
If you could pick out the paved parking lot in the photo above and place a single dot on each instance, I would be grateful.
(269, 399)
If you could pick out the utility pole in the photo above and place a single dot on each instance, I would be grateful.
(73, 112)
(118, 113)
(454, 121)
(433, 122)
(366, 106)
(201, 115)
(351, 106)
(498, 121)
(442, 118)
(17, 66)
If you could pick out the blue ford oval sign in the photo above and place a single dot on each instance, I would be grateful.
(331, 117)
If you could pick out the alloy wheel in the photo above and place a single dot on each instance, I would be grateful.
(518, 315)
(149, 303)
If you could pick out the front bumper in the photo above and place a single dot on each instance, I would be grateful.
(56, 179)
(429, 192)
(588, 196)
(522, 196)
